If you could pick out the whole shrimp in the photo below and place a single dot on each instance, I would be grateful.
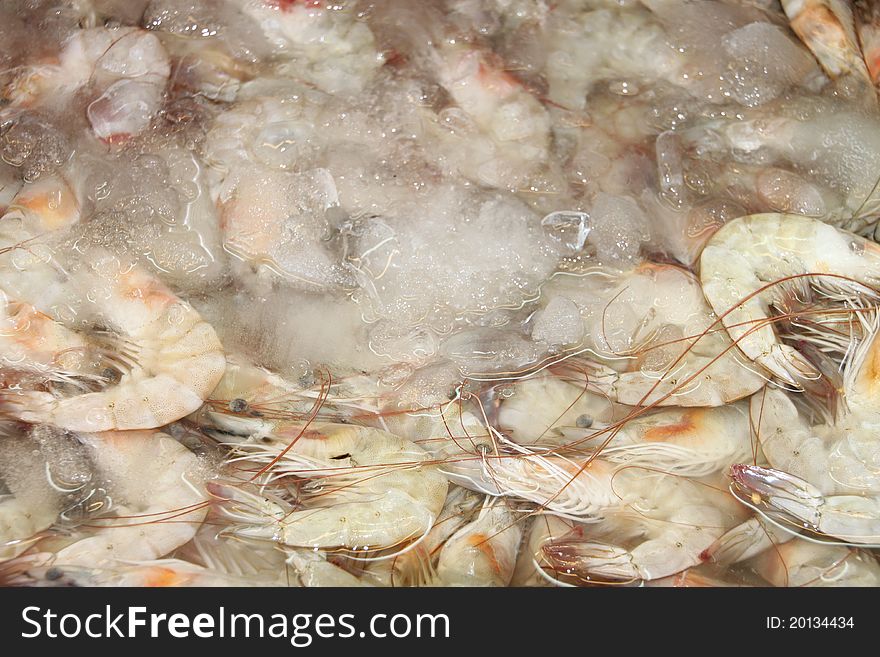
(663, 528)
(547, 411)
(366, 488)
(764, 260)
(160, 500)
(170, 359)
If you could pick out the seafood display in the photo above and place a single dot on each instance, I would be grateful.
(441, 293)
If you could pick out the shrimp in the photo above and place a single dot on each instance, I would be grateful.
(745, 541)
(416, 567)
(367, 489)
(320, 42)
(743, 260)
(827, 28)
(663, 529)
(483, 553)
(170, 359)
(498, 134)
(867, 15)
(691, 442)
(687, 441)
(808, 564)
(160, 500)
(127, 68)
(854, 519)
(652, 325)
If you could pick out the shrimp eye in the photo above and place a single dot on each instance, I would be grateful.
(584, 421)
(54, 573)
(111, 375)
(238, 405)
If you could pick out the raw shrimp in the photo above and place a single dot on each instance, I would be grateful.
(159, 496)
(367, 489)
(320, 42)
(855, 519)
(169, 358)
(653, 325)
(482, 553)
(691, 441)
(509, 136)
(667, 523)
(747, 263)
(828, 30)
(808, 564)
(127, 68)
(867, 15)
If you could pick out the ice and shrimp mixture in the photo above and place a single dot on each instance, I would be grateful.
(448, 292)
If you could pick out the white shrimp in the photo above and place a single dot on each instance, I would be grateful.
(688, 441)
(653, 326)
(320, 42)
(808, 564)
(367, 489)
(692, 442)
(853, 518)
(498, 133)
(127, 68)
(160, 500)
(484, 552)
(828, 30)
(170, 358)
(744, 269)
(664, 528)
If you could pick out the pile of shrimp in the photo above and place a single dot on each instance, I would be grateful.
(442, 293)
